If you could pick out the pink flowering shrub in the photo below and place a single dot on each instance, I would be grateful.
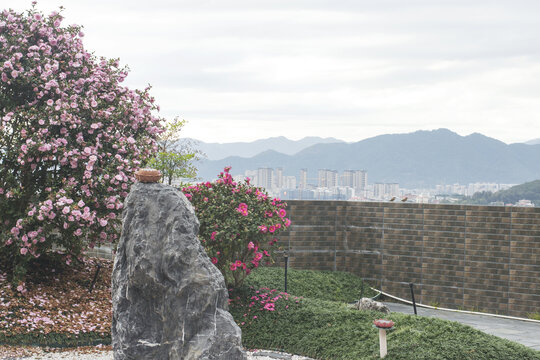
(238, 224)
(71, 138)
(246, 310)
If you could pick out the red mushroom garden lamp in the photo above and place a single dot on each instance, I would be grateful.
(383, 325)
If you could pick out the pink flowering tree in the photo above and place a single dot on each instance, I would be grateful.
(71, 138)
(238, 224)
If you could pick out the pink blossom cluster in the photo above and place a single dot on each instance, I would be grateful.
(238, 224)
(238, 265)
(242, 209)
(71, 137)
(263, 300)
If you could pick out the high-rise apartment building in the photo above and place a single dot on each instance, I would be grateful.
(278, 178)
(378, 190)
(360, 179)
(289, 182)
(327, 178)
(332, 178)
(391, 189)
(321, 178)
(385, 190)
(347, 179)
(354, 178)
(264, 178)
(303, 179)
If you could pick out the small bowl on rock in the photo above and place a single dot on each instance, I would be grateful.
(148, 175)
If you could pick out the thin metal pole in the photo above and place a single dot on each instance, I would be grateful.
(95, 278)
(286, 257)
(412, 295)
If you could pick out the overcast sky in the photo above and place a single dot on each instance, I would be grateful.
(245, 70)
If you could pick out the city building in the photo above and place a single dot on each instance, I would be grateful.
(265, 178)
(331, 185)
(327, 178)
(289, 182)
(391, 189)
(382, 191)
(378, 191)
(278, 178)
(479, 187)
(347, 178)
(303, 179)
(359, 179)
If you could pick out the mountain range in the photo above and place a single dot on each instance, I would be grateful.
(217, 151)
(533, 142)
(414, 160)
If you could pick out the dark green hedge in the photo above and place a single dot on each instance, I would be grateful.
(57, 340)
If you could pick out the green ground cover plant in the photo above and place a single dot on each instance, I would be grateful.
(308, 321)
(323, 285)
(317, 327)
(330, 330)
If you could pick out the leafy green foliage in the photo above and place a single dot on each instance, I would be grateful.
(238, 223)
(174, 159)
(173, 165)
(323, 285)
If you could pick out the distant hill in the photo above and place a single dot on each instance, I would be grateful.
(217, 151)
(529, 191)
(414, 160)
(533, 142)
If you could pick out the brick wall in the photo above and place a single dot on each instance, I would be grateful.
(484, 258)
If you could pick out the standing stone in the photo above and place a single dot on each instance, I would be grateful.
(169, 300)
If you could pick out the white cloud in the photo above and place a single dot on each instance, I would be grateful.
(244, 69)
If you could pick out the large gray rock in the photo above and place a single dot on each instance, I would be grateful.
(371, 305)
(169, 300)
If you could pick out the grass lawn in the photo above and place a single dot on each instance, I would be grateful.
(312, 320)
(320, 327)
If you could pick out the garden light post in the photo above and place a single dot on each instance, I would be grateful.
(95, 278)
(412, 295)
(383, 325)
(286, 258)
(382, 343)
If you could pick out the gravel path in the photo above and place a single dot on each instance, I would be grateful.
(88, 354)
